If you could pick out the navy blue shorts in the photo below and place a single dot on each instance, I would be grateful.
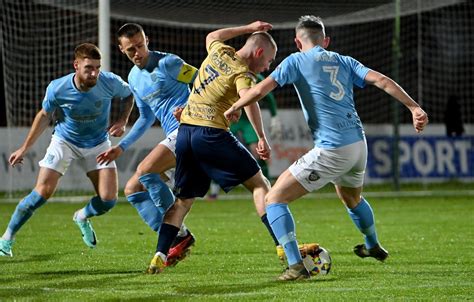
(205, 153)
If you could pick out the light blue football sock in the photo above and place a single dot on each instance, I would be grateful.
(283, 225)
(24, 211)
(147, 209)
(158, 190)
(97, 206)
(363, 218)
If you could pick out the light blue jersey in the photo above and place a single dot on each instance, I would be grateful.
(158, 89)
(83, 117)
(324, 83)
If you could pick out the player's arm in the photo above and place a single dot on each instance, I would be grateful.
(255, 117)
(187, 73)
(178, 70)
(141, 125)
(118, 127)
(252, 95)
(420, 118)
(225, 34)
(40, 123)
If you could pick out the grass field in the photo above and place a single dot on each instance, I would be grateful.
(430, 240)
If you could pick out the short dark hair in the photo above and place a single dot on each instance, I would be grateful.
(312, 26)
(262, 36)
(129, 30)
(87, 50)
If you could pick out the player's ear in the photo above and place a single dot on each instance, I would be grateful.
(299, 45)
(121, 48)
(76, 64)
(146, 41)
(326, 42)
(259, 52)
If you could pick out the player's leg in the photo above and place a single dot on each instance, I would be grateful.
(45, 186)
(105, 181)
(191, 181)
(156, 174)
(362, 215)
(311, 172)
(105, 184)
(172, 222)
(160, 159)
(56, 161)
(153, 214)
(349, 188)
(285, 190)
(140, 199)
(230, 164)
(259, 186)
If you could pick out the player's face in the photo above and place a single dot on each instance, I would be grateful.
(135, 48)
(265, 60)
(87, 71)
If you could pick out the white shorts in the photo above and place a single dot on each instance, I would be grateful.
(61, 153)
(170, 143)
(343, 166)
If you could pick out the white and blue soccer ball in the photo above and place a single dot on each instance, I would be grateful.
(319, 262)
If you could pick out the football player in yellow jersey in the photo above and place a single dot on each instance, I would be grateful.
(205, 148)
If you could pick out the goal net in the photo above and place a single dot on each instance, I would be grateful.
(432, 60)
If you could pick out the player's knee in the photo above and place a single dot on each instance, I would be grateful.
(132, 187)
(45, 190)
(181, 207)
(273, 197)
(142, 169)
(350, 198)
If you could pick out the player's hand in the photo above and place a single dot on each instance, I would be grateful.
(420, 119)
(232, 115)
(260, 26)
(276, 129)
(177, 113)
(17, 157)
(263, 148)
(117, 129)
(110, 155)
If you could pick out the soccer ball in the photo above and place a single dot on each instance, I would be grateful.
(318, 262)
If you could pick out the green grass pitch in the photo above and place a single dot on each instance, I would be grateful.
(430, 240)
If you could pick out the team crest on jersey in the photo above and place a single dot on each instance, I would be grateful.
(98, 104)
(313, 176)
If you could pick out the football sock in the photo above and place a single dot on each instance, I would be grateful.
(158, 190)
(96, 207)
(283, 226)
(183, 231)
(146, 209)
(166, 236)
(23, 212)
(363, 218)
(264, 219)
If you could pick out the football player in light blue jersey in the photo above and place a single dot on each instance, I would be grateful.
(324, 82)
(159, 82)
(80, 103)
